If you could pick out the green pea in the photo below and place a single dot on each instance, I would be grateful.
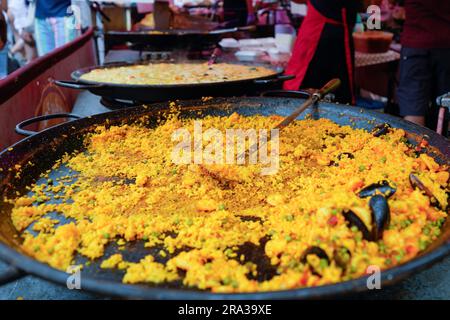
(323, 263)
(289, 217)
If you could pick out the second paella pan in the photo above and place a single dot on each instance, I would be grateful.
(167, 81)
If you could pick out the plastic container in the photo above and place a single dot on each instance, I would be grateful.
(274, 53)
(248, 55)
(359, 25)
(285, 36)
(249, 43)
(229, 44)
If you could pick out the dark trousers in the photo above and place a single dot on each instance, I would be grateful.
(424, 75)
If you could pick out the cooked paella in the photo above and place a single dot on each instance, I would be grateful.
(176, 73)
(342, 200)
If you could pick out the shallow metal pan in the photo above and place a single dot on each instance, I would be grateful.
(157, 93)
(69, 136)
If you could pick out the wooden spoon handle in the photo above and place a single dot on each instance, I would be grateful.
(331, 86)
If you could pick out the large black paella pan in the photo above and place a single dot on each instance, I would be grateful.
(46, 147)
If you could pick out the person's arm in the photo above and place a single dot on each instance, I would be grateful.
(3, 5)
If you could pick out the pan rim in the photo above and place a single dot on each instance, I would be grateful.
(173, 32)
(91, 284)
(388, 277)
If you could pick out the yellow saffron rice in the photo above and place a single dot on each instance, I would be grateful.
(176, 73)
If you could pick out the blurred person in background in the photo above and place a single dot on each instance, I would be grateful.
(7, 64)
(425, 59)
(55, 25)
(324, 47)
(238, 13)
(23, 49)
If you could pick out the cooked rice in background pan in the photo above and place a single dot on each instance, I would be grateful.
(176, 73)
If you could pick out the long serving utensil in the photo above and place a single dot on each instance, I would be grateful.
(331, 86)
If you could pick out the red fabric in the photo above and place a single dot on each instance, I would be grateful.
(427, 24)
(305, 47)
(250, 8)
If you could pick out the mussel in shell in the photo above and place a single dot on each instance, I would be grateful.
(317, 251)
(417, 184)
(353, 220)
(381, 216)
(380, 212)
(342, 257)
(380, 130)
(382, 187)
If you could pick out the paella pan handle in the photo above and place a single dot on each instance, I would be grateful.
(20, 126)
(279, 78)
(77, 85)
(10, 274)
(287, 94)
(235, 29)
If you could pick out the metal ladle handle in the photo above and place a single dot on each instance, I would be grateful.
(331, 86)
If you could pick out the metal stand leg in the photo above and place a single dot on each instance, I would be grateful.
(442, 124)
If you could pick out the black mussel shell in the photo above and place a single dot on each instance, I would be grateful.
(382, 187)
(416, 183)
(381, 216)
(342, 257)
(380, 129)
(353, 220)
(316, 251)
(319, 252)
